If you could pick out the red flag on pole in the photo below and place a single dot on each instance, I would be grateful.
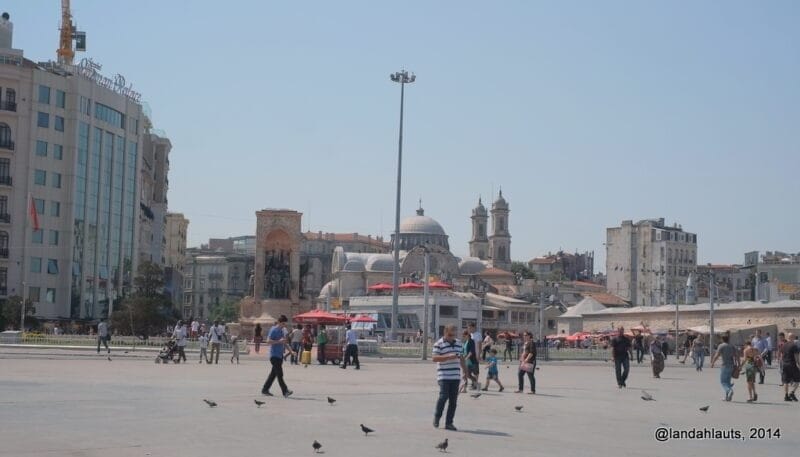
(33, 213)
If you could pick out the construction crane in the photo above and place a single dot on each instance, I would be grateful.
(69, 33)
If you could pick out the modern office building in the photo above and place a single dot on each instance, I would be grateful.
(69, 159)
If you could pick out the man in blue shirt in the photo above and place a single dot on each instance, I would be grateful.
(351, 350)
(276, 339)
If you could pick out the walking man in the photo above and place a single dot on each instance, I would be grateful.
(687, 346)
(102, 335)
(351, 351)
(622, 355)
(727, 353)
(790, 366)
(450, 371)
(476, 337)
(767, 355)
(180, 340)
(296, 339)
(760, 344)
(322, 341)
(276, 339)
(215, 336)
(638, 345)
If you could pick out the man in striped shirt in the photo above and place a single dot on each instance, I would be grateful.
(451, 370)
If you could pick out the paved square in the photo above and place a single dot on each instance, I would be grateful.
(76, 403)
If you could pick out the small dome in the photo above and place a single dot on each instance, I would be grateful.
(354, 265)
(479, 210)
(501, 202)
(471, 266)
(380, 262)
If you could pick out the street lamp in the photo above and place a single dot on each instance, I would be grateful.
(402, 77)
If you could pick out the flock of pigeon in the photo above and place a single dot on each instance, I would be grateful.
(316, 445)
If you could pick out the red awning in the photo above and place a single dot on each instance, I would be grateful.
(411, 285)
(439, 285)
(380, 286)
(364, 318)
(319, 316)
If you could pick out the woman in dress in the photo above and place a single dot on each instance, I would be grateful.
(750, 364)
(258, 337)
(656, 357)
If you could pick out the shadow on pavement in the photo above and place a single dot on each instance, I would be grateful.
(485, 432)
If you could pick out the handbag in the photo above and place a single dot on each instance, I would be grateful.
(526, 367)
(736, 370)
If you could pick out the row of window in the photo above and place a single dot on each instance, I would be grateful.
(38, 237)
(43, 121)
(44, 97)
(109, 114)
(40, 178)
(42, 147)
(36, 265)
(55, 207)
(34, 295)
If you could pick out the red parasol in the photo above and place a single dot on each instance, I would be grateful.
(439, 285)
(411, 285)
(364, 318)
(380, 286)
(319, 316)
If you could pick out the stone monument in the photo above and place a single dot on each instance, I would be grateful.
(276, 278)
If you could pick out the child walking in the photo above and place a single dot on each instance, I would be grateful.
(492, 373)
(203, 343)
(235, 349)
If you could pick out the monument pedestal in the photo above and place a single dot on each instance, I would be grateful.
(266, 313)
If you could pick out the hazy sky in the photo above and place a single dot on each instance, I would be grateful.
(586, 113)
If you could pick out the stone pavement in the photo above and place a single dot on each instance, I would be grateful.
(54, 404)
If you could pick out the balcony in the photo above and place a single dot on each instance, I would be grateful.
(214, 291)
(7, 145)
(3, 253)
(215, 276)
(5, 180)
(8, 106)
(5, 218)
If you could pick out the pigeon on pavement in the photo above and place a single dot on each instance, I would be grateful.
(366, 430)
(258, 403)
(518, 408)
(442, 447)
(316, 446)
(210, 403)
(331, 401)
(705, 408)
(475, 395)
(647, 397)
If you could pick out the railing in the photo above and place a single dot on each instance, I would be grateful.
(5, 218)
(5, 180)
(7, 145)
(128, 342)
(215, 276)
(3, 253)
(8, 106)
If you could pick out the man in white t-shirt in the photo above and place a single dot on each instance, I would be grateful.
(215, 337)
(102, 335)
(195, 328)
(180, 339)
(477, 338)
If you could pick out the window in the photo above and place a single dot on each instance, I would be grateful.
(85, 106)
(58, 123)
(43, 120)
(44, 95)
(52, 266)
(110, 115)
(50, 296)
(11, 98)
(61, 99)
(38, 237)
(56, 180)
(33, 294)
(5, 136)
(38, 203)
(40, 177)
(36, 264)
(53, 237)
(55, 209)
(3, 204)
(58, 151)
(41, 148)
(4, 243)
(5, 171)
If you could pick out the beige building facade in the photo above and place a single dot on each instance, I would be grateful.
(176, 233)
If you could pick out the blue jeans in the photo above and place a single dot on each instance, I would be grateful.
(622, 366)
(725, 379)
(296, 354)
(698, 359)
(448, 393)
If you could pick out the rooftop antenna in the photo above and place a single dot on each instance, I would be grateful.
(69, 33)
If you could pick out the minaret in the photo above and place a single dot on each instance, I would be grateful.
(479, 244)
(500, 241)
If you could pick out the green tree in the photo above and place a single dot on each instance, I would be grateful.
(148, 310)
(522, 270)
(226, 311)
(11, 309)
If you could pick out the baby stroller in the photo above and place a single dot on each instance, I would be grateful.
(168, 352)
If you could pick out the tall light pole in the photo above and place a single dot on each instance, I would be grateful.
(402, 77)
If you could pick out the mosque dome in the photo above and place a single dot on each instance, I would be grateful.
(421, 230)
